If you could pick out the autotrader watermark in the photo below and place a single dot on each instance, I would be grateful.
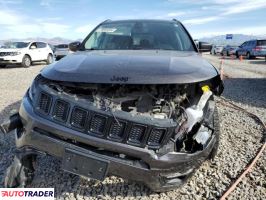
(26, 193)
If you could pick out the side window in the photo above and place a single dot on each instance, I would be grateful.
(33, 45)
(251, 43)
(244, 44)
(41, 45)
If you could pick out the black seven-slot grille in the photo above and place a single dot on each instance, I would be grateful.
(44, 103)
(97, 124)
(100, 125)
(60, 111)
(78, 117)
(136, 133)
(117, 130)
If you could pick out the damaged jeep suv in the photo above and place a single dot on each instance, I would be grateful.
(136, 100)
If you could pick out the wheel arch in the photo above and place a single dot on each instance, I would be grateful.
(26, 54)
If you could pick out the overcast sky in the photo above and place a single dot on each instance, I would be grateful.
(74, 19)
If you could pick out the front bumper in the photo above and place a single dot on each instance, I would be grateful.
(10, 59)
(259, 53)
(59, 56)
(232, 52)
(159, 172)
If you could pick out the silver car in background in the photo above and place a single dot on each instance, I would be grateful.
(217, 49)
(229, 50)
(61, 51)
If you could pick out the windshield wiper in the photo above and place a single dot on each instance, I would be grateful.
(92, 49)
(166, 49)
(155, 49)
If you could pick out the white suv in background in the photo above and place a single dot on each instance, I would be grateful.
(25, 53)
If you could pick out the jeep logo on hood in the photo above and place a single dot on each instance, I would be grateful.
(119, 78)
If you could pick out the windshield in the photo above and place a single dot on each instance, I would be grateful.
(139, 35)
(15, 45)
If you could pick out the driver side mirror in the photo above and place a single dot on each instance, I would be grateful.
(33, 47)
(204, 47)
(74, 46)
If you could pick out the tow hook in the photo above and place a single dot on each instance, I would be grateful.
(10, 124)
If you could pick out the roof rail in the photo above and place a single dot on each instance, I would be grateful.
(106, 21)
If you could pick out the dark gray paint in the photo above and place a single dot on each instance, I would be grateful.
(131, 67)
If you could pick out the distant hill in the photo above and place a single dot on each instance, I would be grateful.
(53, 41)
(237, 39)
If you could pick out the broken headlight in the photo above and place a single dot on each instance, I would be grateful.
(32, 90)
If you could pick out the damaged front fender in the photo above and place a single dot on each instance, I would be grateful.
(11, 123)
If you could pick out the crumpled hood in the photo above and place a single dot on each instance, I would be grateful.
(131, 67)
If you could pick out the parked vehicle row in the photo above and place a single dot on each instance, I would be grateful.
(250, 49)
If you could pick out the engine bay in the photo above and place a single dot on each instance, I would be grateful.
(156, 101)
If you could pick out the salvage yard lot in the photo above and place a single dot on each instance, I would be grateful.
(240, 140)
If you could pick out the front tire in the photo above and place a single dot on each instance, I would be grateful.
(2, 66)
(49, 59)
(20, 173)
(26, 61)
(216, 128)
(227, 53)
(248, 56)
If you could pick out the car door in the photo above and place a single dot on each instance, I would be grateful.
(225, 49)
(245, 48)
(262, 45)
(33, 51)
(212, 50)
(42, 51)
(241, 48)
(252, 46)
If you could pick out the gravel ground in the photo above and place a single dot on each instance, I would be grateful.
(240, 140)
(255, 68)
